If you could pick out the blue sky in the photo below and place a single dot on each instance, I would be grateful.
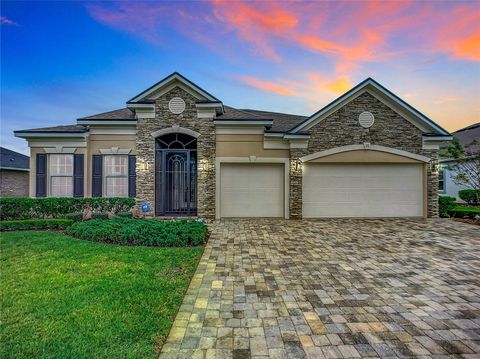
(64, 60)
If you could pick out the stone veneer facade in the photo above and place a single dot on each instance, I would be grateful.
(341, 128)
(145, 146)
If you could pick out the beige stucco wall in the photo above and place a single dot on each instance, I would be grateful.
(365, 156)
(97, 142)
(33, 168)
(245, 146)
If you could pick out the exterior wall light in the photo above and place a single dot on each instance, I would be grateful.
(143, 165)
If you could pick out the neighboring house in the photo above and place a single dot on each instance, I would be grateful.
(181, 150)
(466, 136)
(14, 173)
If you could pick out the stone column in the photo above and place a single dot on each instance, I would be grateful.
(432, 186)
(145, 166)
(296, 176)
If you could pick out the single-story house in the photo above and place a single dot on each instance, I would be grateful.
(467, 137)
(14, 173)
(179, 150)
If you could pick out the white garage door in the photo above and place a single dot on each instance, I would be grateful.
(252, 190)
(362, 190)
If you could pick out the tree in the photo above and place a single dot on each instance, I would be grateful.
(464, 164)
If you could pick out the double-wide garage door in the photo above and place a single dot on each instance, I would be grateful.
(362, 190)
(252, 190)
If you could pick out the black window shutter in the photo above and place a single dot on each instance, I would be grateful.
(132, 178)
(97, 161)
(41, 175)
(78, 175)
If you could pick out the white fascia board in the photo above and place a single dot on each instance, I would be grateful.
(296, 137)
(217, 107)
(167, 81)
(243, 123)
(51, 134)
(437, 138)
(106, 122)
(209, 105)
(149, 106)
(15, 169)
(273, 134)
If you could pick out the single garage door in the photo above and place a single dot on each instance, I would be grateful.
(362, 190)
(252, 190)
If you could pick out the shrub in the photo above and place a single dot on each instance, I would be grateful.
(53, 207)
(35, 224)
(125, 214)
(75, 216)
(471, 196)
(99, 215)
(444, 204)
(464, 212)
(145, 232)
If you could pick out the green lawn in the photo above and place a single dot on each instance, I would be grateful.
(67, 298)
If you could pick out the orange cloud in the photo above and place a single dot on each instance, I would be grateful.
(268, 86)
(315, 87)
(445, 100)
(339, 86)
(346, 34)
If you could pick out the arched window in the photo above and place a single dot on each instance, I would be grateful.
(178, 141)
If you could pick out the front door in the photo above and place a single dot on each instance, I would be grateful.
(176, 182)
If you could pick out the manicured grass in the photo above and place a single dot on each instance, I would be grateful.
(67, 298)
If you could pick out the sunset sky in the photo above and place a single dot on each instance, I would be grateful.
(64, 60)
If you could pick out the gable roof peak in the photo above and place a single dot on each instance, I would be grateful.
(174, 76)
(381, 91)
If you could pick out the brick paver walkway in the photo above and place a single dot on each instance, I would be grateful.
(333, 289)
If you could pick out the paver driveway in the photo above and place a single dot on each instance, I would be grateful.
(333, 288)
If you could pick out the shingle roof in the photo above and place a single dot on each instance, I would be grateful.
(468, 134)
(120, 114)
(12, 159)
(57, 129)
(281, 121)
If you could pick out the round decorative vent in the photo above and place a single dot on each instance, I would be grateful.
(366, 119)
(176, 105)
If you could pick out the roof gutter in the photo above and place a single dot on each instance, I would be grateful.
(22, 134)
(106, 122)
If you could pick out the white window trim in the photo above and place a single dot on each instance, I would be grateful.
(105, 176)
(50, 176)
(444, 171)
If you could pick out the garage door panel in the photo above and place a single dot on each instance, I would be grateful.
(363, 190)
(252, 190)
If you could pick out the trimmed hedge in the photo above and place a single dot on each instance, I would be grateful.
(445, 203)
(15, 208)
(464, 212)
(142, 232)
(35, 224)
(471, 196)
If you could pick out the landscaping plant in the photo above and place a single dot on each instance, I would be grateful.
(52, 207)
(465, 165)
(28, 224)
(142, 232)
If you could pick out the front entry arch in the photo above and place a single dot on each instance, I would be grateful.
(176, 175)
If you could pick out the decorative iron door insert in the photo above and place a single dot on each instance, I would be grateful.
(176, 179)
